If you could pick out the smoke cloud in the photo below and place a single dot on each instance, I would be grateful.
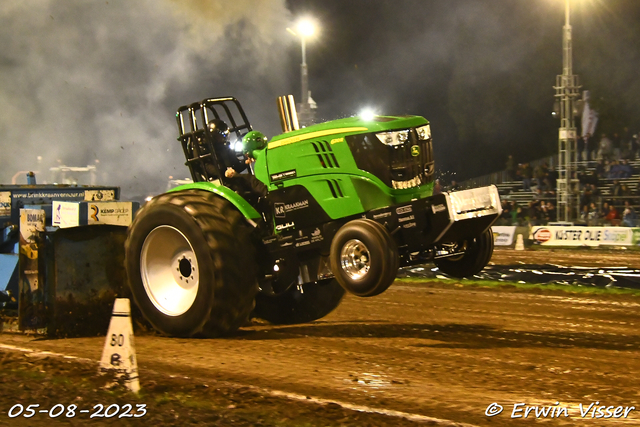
(82, 81)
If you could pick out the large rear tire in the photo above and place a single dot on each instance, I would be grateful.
(299, 304)
(364, 258)
(191, 265)
(476, 256)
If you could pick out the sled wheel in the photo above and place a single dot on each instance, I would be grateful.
(190, 264)
(300, 303)
(364, 258)
(476, 256)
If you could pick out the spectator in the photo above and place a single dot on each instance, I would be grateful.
(603, 213)
(594, 214)
(604, 148)
(585, 197)
(505, 216)
(615, 189)
(532, 213)
(580, 148)
(552, 178)
(629, 216)
(539, 194)
(615, 144)
(588, 147)
(624, 190)
(600, 172)
(612, 217)
(584, 214)
(626, 170)
(614, 170)
(552, 214)
(521, 218)
(514, 213)
(541, 174)
(527, 173)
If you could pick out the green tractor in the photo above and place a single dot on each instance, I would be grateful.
(334, 207)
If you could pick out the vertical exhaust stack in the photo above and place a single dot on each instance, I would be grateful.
(288, 113)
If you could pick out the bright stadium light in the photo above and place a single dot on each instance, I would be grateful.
(306, 27)
(367, 114)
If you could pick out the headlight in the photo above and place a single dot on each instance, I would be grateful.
(424, 132)
(393, 138)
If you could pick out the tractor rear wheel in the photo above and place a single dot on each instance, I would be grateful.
(299, 303)
(477, 254)
(190, 264)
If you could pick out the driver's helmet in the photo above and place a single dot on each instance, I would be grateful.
(218, 129)
(254, 140)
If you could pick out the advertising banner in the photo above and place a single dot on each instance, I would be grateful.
(75, 214)
(585, 236)
(31, 303)
(5, 203)
(503, 235)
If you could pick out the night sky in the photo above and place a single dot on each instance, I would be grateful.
(87, 80)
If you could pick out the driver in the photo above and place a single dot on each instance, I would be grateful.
(219, 132)
(251, 142)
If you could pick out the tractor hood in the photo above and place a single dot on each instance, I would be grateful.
(351, 125)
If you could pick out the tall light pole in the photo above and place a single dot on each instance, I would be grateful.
(306, 28)
(567, 91)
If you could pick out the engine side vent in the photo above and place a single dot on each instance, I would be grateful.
(325, 154)
(334, 187)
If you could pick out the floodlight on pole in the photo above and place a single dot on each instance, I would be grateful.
(305, 29)
(567, 91)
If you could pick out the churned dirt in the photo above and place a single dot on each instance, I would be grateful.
(422, 353)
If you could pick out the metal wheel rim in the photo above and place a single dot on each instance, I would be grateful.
(457, 246)
(355, 259)
(169, 270)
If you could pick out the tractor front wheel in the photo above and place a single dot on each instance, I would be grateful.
(364, 257)
(477, 254)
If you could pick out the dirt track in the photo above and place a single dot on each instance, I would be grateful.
(434, 350)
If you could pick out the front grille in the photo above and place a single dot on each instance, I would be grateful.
(402, 166)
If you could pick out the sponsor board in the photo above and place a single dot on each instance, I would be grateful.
(74, 214)
(5, 203)
(585, 236)
(65, 214)
(99, 195)
(32, 222)
(503, 234)
(113, 213)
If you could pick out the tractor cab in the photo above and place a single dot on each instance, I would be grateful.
(209, 132)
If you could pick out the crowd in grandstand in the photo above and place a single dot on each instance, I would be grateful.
(609, 186)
